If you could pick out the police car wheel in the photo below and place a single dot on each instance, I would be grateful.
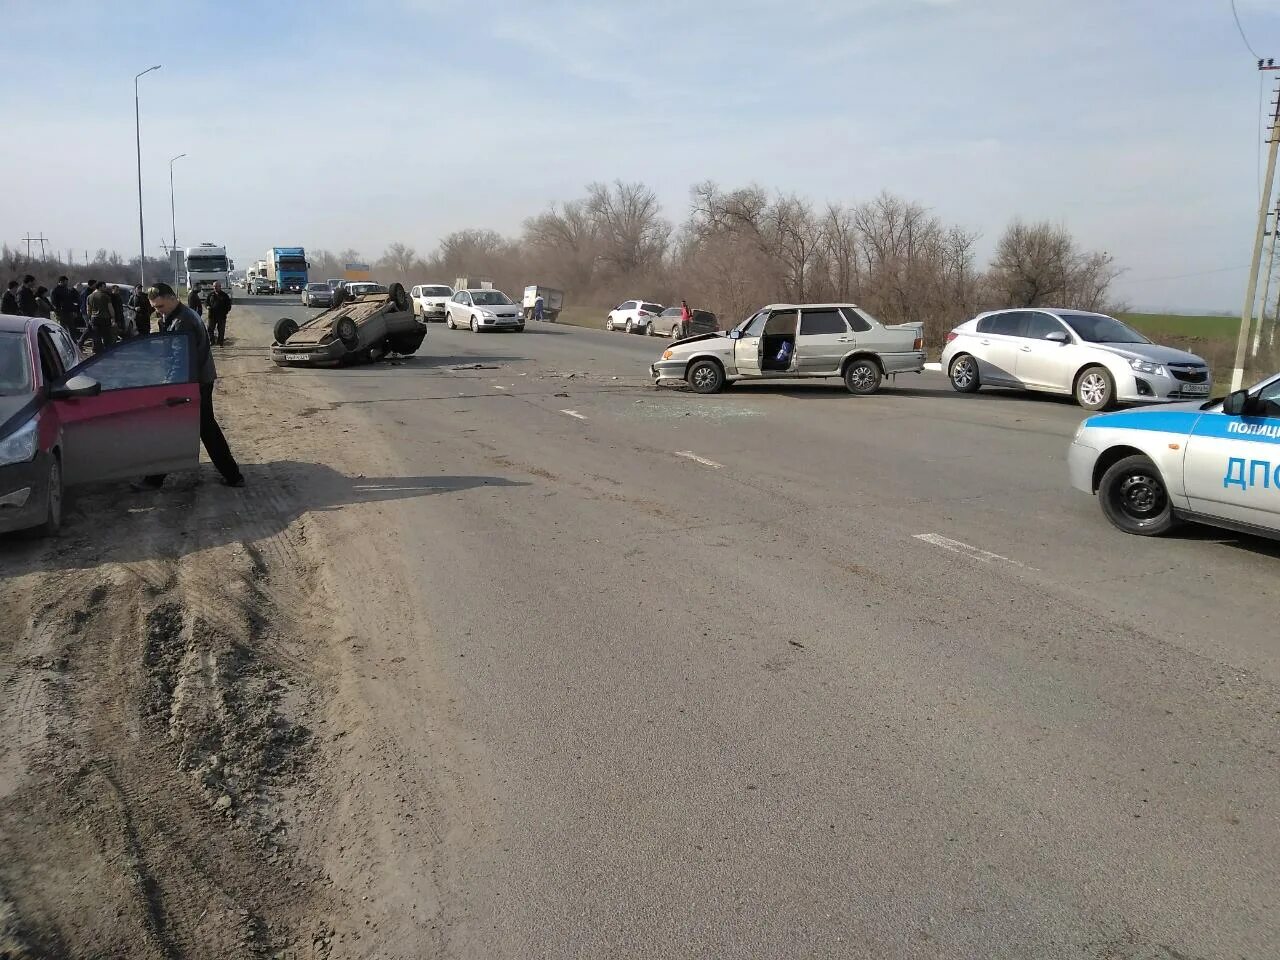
(1095, 390)
(1134, 498)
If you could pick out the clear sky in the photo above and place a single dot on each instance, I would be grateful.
(1133, 122)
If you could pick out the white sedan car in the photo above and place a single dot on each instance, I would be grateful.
(430, 300)
(1090, 356)
(1215, 462)
(483, 310)
(634, 316)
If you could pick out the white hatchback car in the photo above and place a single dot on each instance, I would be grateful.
(430, 299)
(633, 316)
(483, 310)
(1090, 356)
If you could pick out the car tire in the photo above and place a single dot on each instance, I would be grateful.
(1095, 390)
(475, 327)
(630, 327)
(396, 293)
(675, 332)
(285, 328)
(963, 374)
(1134, 497)
(705, 376)
(608, 324)
(448, 321)
(520, 329)
(347, 331)
(53, 512)
(862, 377)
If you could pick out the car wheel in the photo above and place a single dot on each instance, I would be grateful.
(675, 332)
(1134, 497)
(964, 374)
(862, 377)
(53, 515)
(448, 321)
(397, 295)
(475, 327)
(347, 331)
(630, 327)
(705, 376)
(285, 328)
(1095, 390)
(608, 324)
(520, 329)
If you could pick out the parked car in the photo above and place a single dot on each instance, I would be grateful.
(632, 315)
(552, 302)
(333, 283)
(1213, 462)
(796, 341)
(483, 310)
(362, 288)
(317, 295)
(129, 411)
(668, 323)
(1092, 357)
(363, 330)
(430, 299)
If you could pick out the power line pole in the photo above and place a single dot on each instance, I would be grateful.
(1270, 261)
(1251, 291)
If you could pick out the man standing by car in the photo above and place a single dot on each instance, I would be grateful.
(64, 303)
(218, 306)
(9, 302)
(27, 296)
(174, 317)
(141, 307)
(194, 304)
(117, 308)
(101, 327)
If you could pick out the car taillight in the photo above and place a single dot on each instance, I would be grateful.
(951, 336)
(919, 344)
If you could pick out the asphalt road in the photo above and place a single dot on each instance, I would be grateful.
(784, 672)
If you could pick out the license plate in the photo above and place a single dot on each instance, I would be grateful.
(1196, 389)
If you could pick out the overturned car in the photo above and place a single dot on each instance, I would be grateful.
(363, 330)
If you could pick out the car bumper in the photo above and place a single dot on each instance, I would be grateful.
(500, 323)
(309, 354)
(667, 372)
(433, 313)
(912, 362)
(24, 494)
(1081, 459)
(1146, 388)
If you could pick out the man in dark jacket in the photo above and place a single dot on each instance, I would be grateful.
(64, 303)
(173, 317)
(27, 296)
(218, 306)
(44, 309)
(141, 307)
(9, 301)
(117, 308)
(101, 327)
(193, 302)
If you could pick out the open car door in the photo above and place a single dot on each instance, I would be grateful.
(141, 418)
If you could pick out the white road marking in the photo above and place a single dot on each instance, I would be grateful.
(496, 387)
(690, 455)
(967, 550)
(573, 413)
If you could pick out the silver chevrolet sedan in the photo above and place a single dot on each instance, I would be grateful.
(796, 341)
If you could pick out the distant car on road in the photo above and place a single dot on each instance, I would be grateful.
(668, 323)
(129, 411)
(363, 288)
(261, 285)
(633, 316)
(317, 295)
(430, 300)
(1213, 462)
(796, 341)
(483, 310)
(1092, 357)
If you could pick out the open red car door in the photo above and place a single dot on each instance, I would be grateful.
(145, 420)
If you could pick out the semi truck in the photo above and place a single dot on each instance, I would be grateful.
(287, 269)
(207, 264)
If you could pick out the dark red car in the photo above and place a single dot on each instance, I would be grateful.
(130, 411)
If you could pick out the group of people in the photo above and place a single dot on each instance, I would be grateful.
(105, 313)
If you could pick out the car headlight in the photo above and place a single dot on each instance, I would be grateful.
(19, 446)
(489, 314)
(666, 354)
(1146, 366)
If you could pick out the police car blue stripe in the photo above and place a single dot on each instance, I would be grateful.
(1192, 423)
(1159, 421)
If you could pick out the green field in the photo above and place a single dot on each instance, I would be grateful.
(1157, 325)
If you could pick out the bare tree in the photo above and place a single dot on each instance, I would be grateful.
(629, 225)
(1039, 264)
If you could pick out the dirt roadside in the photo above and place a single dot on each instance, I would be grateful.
(194, 760)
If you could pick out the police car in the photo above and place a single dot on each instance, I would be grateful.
(1216, 463)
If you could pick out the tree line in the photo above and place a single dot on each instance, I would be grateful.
(738, 249)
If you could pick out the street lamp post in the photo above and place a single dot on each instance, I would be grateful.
(173, 220)
(137, 133)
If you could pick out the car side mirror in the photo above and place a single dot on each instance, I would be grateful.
(1059, 337)
(77, 386)
(1236, 404)
(735, 334)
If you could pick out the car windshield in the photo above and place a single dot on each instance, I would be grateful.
(292, 263)
(490, 298)
(437, 292)
(15, 365)
(206, 264)
(1097, 328)
(317, 286)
